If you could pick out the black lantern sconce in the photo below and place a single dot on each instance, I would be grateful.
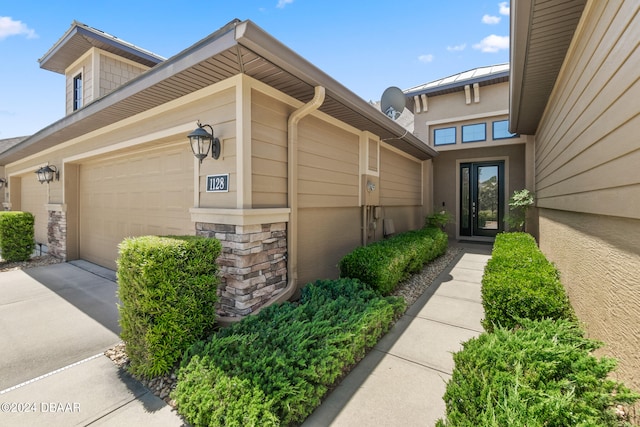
(4, 183)
(202, 141)
(47, 174)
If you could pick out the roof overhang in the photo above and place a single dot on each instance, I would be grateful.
(238, 47)
(541, 33)
(484, 76)
(79, 38)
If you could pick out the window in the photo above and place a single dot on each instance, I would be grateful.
(474, 133)
(501, 130)
(444, 136)
(77, 92)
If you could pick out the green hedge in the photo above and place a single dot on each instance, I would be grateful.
(541, 374)
(519, 282)
(168, 290)
(384, 264)
(273, 368)
(16, 235)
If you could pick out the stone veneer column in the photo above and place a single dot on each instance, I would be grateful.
(253, 264)
(57, 234)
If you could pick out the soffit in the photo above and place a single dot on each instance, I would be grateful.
(227, 52)
(80, 38)
(541, 33)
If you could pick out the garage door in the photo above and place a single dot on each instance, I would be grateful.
(33, 198)
(134, 194)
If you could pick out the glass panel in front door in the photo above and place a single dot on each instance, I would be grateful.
(487, 203)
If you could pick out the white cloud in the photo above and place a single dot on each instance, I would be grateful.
(9, 27)
(283, 3)
(425, 58)
(492, 43)
(457, 47)
(491, 20)
(504, 8)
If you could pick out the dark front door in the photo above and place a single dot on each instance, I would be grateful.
(481, 199)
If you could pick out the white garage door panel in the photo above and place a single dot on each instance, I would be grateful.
(34, 199)
(140, 194)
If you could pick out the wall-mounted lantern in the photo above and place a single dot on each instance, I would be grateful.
(47, 174)
(202, 141)
(4, 183)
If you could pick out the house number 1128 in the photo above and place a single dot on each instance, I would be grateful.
(218, 183)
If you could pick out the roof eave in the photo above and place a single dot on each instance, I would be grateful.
(531, 82)
(48, 60)
(254, 38)
(231, 35)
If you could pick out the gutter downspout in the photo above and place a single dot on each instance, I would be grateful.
(292, 190)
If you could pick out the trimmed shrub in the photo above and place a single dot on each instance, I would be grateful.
(16, 235)
(168, 290)
(384, 264)
(283, 360)
(519, 282)
(542, 374)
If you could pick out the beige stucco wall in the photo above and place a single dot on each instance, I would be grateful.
(446, 175)
(588, 180)
(448, 109)
(598, 258)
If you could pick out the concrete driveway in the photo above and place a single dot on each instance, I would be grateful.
(56, 322)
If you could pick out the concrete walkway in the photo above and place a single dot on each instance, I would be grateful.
(402, 380)
(56, 322)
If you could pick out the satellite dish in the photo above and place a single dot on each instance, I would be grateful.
(392, 102)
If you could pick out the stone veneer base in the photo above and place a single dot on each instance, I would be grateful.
(253, 264)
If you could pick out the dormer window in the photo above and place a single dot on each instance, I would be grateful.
(77, 92)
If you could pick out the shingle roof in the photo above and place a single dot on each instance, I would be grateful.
(7, 143)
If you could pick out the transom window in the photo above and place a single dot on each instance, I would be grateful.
(501, 130)
(444, 136)
(474, 133)
(77, 92)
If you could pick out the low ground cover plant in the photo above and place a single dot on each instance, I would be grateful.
(540, 374)
(533, 367)
(16, 235)
(384, 264)
(519, 282)
(273, 368)
(168, 290)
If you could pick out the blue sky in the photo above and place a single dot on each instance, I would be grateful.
(365, 45)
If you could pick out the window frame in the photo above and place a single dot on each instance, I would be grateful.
(484, 125)
(493, 130)
(77, 95)
(435, 138)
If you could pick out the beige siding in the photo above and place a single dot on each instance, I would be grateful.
(400, 179)
(114, 73)
(134, 194)
(86, 68)
(328, 173)
(598, 259)
(586, 146)
(269, 150)
(34, 200)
